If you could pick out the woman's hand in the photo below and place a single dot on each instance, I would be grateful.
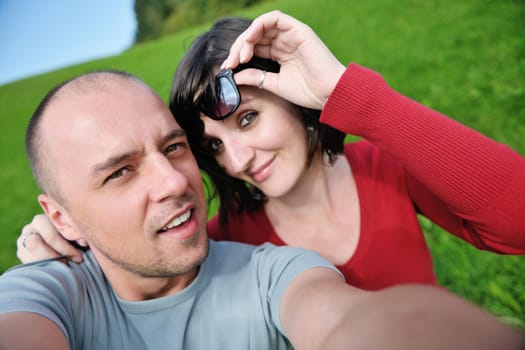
(40, 240)
(309, 71)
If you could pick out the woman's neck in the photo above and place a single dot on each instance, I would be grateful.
(318, 194)
(322, 212)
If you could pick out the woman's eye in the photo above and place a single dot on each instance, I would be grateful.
(247, 119)
(213, 146)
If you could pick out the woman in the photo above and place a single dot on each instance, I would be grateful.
(283, 174)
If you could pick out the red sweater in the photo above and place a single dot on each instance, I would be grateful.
(414, 160)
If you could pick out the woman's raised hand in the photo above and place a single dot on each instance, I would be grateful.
(309, 71)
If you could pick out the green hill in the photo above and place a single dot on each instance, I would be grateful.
(463, 58)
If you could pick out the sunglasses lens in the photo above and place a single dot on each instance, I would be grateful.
(224, 101)
(229, 98)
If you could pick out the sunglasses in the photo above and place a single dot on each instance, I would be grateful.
(224, 101)
(220, 100)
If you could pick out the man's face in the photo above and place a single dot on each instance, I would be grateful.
(130, 183)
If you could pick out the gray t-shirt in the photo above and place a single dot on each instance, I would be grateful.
(232, 304)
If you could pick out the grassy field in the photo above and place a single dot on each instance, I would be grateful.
(463, 58)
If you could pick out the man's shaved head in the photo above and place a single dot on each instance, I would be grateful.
(41, 160)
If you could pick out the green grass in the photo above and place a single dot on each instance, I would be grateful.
(463, 58)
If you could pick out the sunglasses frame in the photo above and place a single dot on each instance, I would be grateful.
(264, 64)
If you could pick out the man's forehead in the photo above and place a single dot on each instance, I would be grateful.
(104, 116)
(89, 140)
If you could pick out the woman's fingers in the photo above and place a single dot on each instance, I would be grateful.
(40, 240)
(31, 247)
(309, 71)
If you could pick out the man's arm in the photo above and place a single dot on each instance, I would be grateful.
(320, 311)
(25, 330)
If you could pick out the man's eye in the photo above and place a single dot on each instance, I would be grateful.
(115, 175)
(174, 148)
(247, 119)
(213, 146)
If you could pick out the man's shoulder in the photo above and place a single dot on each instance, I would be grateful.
(265, 257)
(52, 274)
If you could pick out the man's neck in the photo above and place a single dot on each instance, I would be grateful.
(131, 286)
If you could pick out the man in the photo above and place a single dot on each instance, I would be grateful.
(116, 170)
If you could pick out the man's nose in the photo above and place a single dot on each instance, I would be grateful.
(166, 180)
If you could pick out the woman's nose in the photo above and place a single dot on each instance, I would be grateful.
(239, 156)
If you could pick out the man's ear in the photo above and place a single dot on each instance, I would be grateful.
(59, 217)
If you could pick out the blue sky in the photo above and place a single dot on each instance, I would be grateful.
(38, 36)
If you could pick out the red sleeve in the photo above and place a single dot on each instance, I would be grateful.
(459, 178)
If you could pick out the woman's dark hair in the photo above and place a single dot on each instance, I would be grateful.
(195, 73)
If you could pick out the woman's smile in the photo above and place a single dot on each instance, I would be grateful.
(263, 172)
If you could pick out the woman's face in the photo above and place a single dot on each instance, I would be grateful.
(263, 143)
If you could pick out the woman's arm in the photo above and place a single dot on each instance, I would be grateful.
(459, 178)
